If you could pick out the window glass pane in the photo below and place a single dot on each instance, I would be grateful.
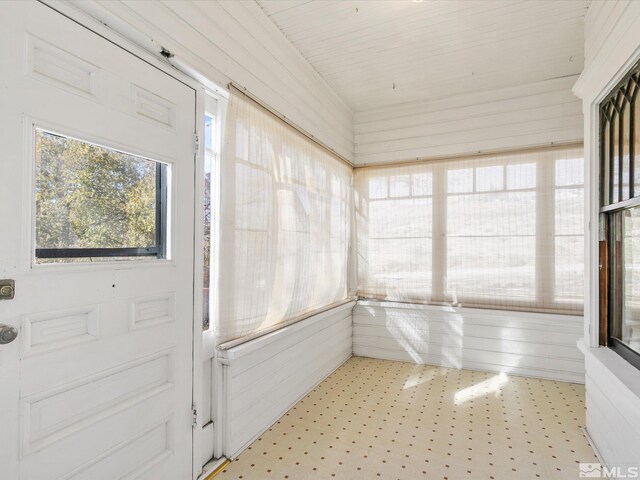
(394, 272)
(491, 247)
(626, 122)
(489, 178)
(421, 184)
(400, 218)
(636, 143)
(569, 210)
(569, 266)
(395, 241)
(604, 164)
(460, 181)
(89, 197)
(615, 158)
(569, 244)
(521, 176)
(209, 129)
(503, 266)
(627, 326)
(378, 187)
(210, 144)
(206, 264)
(398, 259)
(399, 185)
(503, 213)
(251, 211)
(569, 171)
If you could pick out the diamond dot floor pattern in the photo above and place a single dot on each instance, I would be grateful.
(394, 420)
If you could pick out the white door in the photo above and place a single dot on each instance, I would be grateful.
(96, 158)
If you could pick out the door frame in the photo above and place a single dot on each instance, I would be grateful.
(209, 338)
(144, 54)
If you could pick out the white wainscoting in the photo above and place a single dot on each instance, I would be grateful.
(265, 377)
(531, 344)
(517, 117)
(613, 406)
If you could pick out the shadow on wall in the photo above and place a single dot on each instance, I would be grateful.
(423, 341)
(445, 336)
(519, 343)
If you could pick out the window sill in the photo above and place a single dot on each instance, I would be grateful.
(614, 364)
(555, 317)
(229, 351)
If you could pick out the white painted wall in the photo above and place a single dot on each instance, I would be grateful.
(235, 41)
(612, 45)
(516, 117)
(264, 378)
(519, 343)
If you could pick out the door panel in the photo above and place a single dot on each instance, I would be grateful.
(99, 382)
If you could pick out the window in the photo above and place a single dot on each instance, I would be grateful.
(491, 234)
(500, 231)
(95, 203)
(285, 242)
(395, 233)
(620, 218)
(210, 157)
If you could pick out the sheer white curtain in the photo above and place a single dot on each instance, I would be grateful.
(501, 231)
(285, 223)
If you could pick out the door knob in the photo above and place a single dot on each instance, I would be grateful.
(7, 289)
(8, 333)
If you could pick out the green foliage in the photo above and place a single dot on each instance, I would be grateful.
(92, 197)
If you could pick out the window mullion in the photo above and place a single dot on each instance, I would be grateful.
(545, 231)
(439, 235)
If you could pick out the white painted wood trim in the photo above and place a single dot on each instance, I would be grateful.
(282, 332)
(613, 406)
(624, 377)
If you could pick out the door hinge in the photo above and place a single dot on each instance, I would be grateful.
(196, 139)
(194, 413)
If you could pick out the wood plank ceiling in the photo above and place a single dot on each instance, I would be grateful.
(380, 53)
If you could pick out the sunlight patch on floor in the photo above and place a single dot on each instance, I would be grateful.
(486, 387)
